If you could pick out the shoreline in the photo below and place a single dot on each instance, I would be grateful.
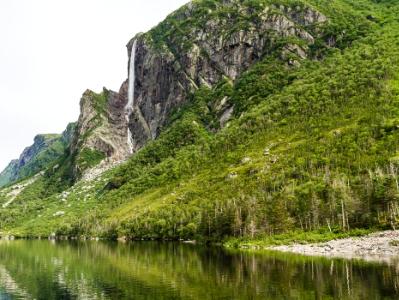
(380, 246)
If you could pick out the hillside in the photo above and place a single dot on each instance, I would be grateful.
(46, 149)
(248, 118)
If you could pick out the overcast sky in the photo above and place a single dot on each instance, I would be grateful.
(51, 51)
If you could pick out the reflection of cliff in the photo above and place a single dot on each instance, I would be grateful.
(174, 271)
(11, 288)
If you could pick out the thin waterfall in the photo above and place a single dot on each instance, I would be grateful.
(130, 104)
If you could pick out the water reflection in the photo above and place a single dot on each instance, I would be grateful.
(95, 270)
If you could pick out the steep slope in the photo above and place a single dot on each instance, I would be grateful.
(8, 173)
(290, 122)
(46, 149)
(199, 45)
(207, 41)
(100, 140)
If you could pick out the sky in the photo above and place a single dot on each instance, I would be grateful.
(51, 51)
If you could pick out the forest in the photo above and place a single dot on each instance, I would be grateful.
(312, 147)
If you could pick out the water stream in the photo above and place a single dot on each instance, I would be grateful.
(130, 104)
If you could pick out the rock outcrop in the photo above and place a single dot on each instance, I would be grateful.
(198, 45)
(189, 50)
(101, 129)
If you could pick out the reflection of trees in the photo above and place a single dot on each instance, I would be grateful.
(174, 271)
(10, 286)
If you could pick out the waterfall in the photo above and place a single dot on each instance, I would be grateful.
(130, 103)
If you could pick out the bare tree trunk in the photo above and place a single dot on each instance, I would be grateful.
(343, 215)
(328, 224)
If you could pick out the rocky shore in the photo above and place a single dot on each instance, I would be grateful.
(380, 246)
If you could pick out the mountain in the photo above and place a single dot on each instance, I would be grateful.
(238, 119)
(46, 149)
(174, 59)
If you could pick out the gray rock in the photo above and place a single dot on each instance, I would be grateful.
(168, 69)
(165, 76)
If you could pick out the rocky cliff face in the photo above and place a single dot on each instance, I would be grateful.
(198, 45)
(45, 150)
(100, 139)
(202, 43)
(244, 65)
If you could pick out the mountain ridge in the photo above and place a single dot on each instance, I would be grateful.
(235, 133)
(45, 150)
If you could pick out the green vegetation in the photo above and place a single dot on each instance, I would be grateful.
(8, 173)
(54, 149)
(47, 149)
(100, 101)
(394, 243)
(312, 147)
(150, 270)
(176, 32)
(89, 158)
(299, 237)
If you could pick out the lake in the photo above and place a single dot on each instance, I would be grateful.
(150, 270)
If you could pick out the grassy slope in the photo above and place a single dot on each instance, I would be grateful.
(56, 147)
(332, 137)
(7, 173)
(51, 149)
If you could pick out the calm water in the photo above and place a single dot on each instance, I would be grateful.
(96, 270)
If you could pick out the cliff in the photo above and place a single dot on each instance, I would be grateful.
(198, 45)
(205, 42)
(238, 119)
